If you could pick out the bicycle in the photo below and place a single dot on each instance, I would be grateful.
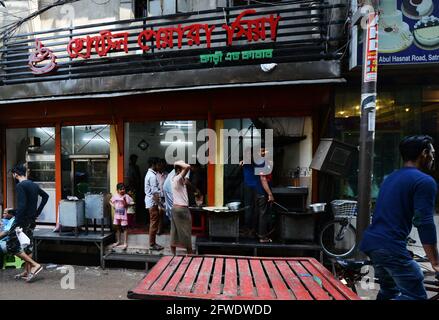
(338, 236)
(350, 272)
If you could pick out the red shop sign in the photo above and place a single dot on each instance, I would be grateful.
(41, 60)
(195, 34)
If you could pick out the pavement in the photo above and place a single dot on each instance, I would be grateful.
(70, 283)
(58, 282)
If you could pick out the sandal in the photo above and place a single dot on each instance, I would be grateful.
(32, 275)
(21, 276)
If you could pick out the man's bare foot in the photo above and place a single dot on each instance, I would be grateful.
(123, 247)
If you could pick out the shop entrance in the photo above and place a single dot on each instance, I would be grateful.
(85, 160)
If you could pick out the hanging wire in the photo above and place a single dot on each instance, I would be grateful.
(7, 32)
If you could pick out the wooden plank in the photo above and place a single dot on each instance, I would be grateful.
(307, 279)
(202, 285)
(299, 291)
(178, 275)
(190, 275)
(166, 274)
(230, 279)
(262, 286)
(280, 289)
(345, 291)
(265, 278)
(335, 294)
(152, 276)
(216, 285)
(246, 288)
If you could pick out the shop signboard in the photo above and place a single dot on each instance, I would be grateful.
(408, 33)
(245, 27)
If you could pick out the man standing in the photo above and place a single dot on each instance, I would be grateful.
(25, 217)
(264, 198)
(152, 198)
(181, 220)
(406, 198)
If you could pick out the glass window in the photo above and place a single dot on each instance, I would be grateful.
(401, 112)
(36, 148)
(85, 140)
(155, 139)
(85, 159)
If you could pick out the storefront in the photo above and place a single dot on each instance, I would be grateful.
(408, 89)
(80, 153)
(100, 104)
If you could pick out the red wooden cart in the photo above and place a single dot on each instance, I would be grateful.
(240, 278)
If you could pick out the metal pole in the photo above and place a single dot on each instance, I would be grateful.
(368, 115)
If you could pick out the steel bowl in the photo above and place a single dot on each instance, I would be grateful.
(318, 207)
(234, 205)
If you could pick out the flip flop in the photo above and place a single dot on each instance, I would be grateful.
(21, 276)
(34, 274)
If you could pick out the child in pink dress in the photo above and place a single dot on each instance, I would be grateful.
(120, 203)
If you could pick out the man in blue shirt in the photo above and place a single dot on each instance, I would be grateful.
(250, 181)
(406, 198)
(264, 197)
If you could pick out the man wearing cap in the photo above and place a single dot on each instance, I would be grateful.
(25, 217)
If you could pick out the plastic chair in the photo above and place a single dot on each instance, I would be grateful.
(12, 261)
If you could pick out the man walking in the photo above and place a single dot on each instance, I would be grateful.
(152, 198)
(25, 217)
(406, 198)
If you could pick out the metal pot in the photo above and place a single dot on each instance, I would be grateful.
(234, 205)
(318, 207)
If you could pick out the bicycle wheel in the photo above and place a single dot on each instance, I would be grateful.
(337, 238)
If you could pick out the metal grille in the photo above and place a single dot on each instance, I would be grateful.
(305, 33)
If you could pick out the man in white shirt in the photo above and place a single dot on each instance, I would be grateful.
(181, 220)
(152, 198)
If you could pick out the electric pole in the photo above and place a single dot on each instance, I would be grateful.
(369, 26)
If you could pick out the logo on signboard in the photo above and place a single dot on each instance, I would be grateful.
(41, 60)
